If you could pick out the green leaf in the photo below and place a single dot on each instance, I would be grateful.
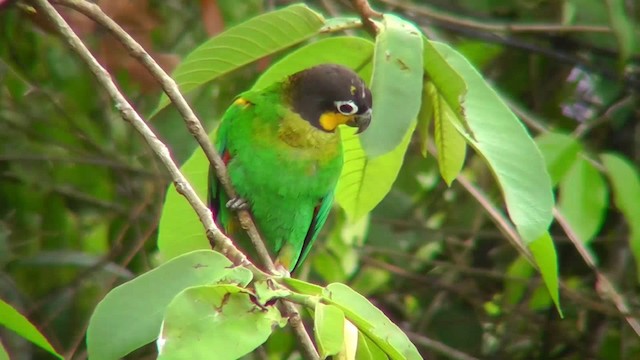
(584, 199)
(623, 27)
(180, 230)
(497, 134)
(355, 53)
(303, 287)
(131, 314)
(560, 152)
(364, 182)
(247, 42)
(514, 288)
(5, 356)
(368, 350)
(396, 85)
(16, 322)
(450, 144)
(371, 321)
(625, 182)
(444, 77)
(215, 321)
(544, 253)
(328, 329)
(425, 116)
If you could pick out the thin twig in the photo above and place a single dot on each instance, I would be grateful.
(604, 287)
(193, 124)
(442, 17)
(439, 347)
(366, 13)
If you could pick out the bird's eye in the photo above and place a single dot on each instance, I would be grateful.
(346, 107)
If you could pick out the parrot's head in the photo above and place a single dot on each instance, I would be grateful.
(329, 95)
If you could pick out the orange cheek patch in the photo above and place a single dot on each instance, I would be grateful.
(330, 120)
(241, 102)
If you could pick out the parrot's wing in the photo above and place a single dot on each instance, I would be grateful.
(216, 197)
(320, 214)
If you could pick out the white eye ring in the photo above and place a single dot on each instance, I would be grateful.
(346, 107)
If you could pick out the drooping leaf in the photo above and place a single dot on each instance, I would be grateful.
(584, 199)
(625, 182)
(247, 42)
(364, 182)
(544, 253)
(497, 134)
(13, 320)
(131, 314)
(444, 77)
(368, 350)
(215, 321)
(450, 144)
(560, 152)
(371, 321)
(425, 116)
(396, 85)
(328, 329)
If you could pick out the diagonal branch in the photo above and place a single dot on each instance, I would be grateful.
(193, 124)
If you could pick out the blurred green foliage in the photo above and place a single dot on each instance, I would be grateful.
(80, 193)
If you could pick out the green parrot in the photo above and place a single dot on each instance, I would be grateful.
(284, 157)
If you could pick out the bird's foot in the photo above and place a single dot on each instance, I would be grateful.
(237, 204)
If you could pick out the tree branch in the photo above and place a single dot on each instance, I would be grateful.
(193, 124)
(366, 13)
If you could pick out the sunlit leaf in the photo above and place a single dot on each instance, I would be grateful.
(303, 287)
(497, 134)
(372, 322)
(625, 182)
(16, 322)
(180, 230)
(131, 314)
(584, 199)
(328, 329)
(450, 144)
(544, 253)
(396, 85)
(215, 321)
(368, 350)
(247, 42)
(365, 182)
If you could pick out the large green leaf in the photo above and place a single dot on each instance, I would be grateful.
(497, 134)
(584, 199)
(625, 181)
(131, 314)
(371, 321)
(544, 253)
(215, 322)
(355, 53)
(328, 329)
(247, 42)
(396, 85)
(365, 182)
(16, 322)
(560, 152)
